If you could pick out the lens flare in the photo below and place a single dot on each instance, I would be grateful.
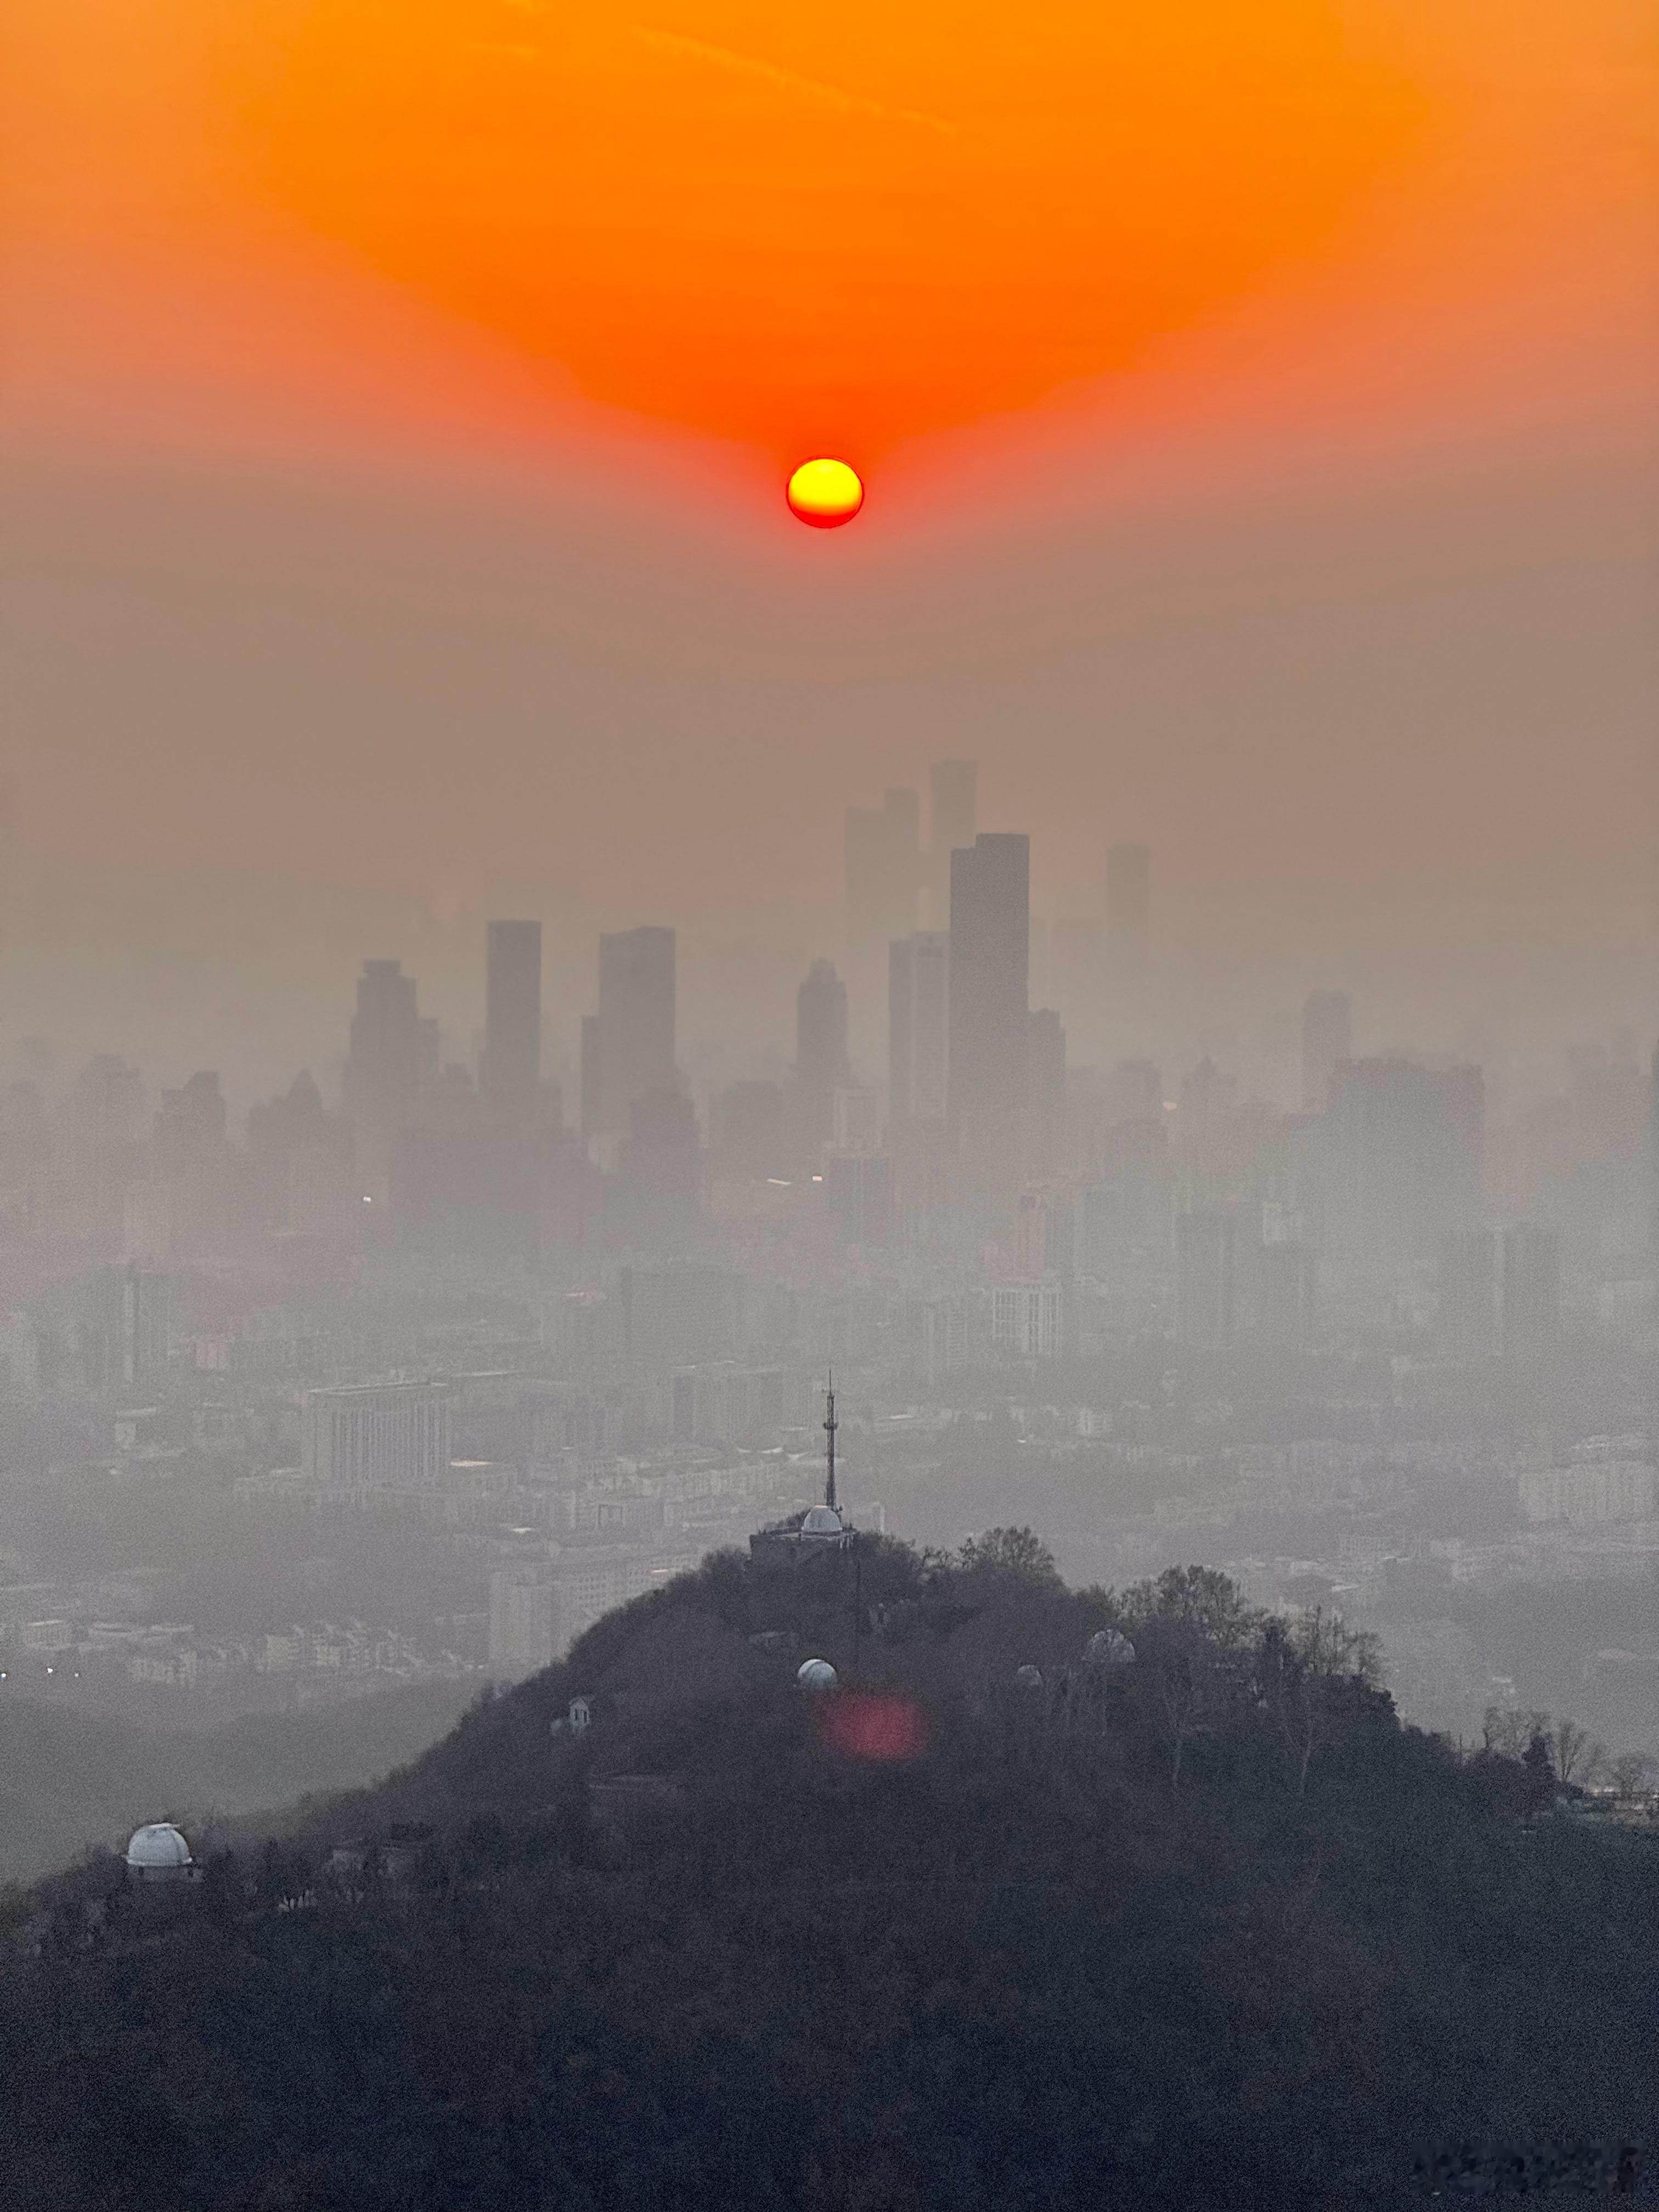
(877, 1725)
(825, 493)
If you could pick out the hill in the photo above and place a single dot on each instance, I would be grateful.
(1059, 1899)
(67, 1777)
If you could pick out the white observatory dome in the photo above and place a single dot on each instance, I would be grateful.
(1029, 1678)
(823, 1521)
(816, 1675)
(157, 1852)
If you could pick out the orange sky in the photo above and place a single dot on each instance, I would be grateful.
(834, 226)
(827, 227)
(1258, 413)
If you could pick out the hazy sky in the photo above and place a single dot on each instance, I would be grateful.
(1259, 415)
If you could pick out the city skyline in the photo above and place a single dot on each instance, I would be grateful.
(809, 1333)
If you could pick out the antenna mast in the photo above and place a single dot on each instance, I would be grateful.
(830, 1425)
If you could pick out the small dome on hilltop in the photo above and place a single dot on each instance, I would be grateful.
(817, 1674)
(1108, 1647)
(157, 1850)
(823, 1521)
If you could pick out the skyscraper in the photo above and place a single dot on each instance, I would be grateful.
(122, 1331)
(511, 1068)
(628, 1051)
(990, 962)
(884, 868)
(1467, 1319)
(821, 1028)
(1532, 1294)
(918, 1003)
(656, 1197)
(1128, 904)
(1326, 1040)
(952, 823)
(1045, 1092)
(822, 1066)
(1207, 1274)
(1405, 1157)
(388, 1062)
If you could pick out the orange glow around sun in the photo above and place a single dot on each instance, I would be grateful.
(828, 226)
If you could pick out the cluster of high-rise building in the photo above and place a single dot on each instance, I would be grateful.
(933, 1124)
(575, 1340)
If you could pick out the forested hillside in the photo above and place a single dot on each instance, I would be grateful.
(1059, 1900)
(67, 1776)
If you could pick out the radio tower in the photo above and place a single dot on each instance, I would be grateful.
(830, 1425)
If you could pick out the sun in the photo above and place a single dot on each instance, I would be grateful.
(825, 493)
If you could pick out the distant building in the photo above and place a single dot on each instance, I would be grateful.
(939, 1335)
(1045, 1092)
(857, 1189)
(122, 1330)
(377, 1442)
(724, 1402)
(659, 1171)
(953, 825)
(1127, 1214)
(884, 868)
(1137, 1091)
(300, 1166)
(1045, 1235)
(747, 1131)
(1285, 1277)
(822, 1065)
(1327, 1040)
(1405, 1154)
(1207, 1270)
(509, 1073)
(1027, 1320)
(523, 1619)
(391, 1062)
(1467, 1319)
(677, 1315)
(918, 1018)
(627, 1047)
(855, 1124)
(989, 965)
(1531, 1293)
(592, 1101)
(821, 1028)
(1584, 1497)
(590, 1580)
(191, 1173)
(20, 1357)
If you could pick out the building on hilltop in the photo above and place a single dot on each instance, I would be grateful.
(819, 1528)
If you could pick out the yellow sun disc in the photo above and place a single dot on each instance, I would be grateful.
(825, 493)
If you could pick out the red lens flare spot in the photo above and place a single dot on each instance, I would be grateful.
(825, 494)
(876, 1725)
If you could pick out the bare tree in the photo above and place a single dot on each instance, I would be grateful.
(1506, 1731)
(1304, 1667)
(1190, 1630)
(1577, 1754)
(1632, 1775)
(1501, 1732)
